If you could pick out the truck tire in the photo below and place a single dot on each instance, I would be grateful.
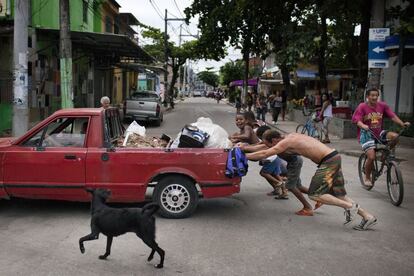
(177, 197)
(158, 122)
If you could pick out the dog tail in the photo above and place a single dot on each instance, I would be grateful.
(152, 207)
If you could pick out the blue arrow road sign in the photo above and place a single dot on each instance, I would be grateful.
(376, 50)
(377, 55)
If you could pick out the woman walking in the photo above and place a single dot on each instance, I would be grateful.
(276, 104)
(326, 116)
(261, 106)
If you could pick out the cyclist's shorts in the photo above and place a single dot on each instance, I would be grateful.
(368, 142)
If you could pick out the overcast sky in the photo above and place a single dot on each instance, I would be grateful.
(153, 14)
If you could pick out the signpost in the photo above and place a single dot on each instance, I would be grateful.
(377, 56)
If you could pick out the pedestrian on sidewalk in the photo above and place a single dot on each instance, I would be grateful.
(276, 105)
(369, 118)
(249, 101)
(327, 185)
(284, 104)
(105, 102)
(325, 116)
(238, 103)
(261, 106)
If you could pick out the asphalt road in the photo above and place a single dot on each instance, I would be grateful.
(246, 234)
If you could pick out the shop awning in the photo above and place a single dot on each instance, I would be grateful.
(274, 81)
(306, 74)
(105, 44)
(139, 67)
(251, 82)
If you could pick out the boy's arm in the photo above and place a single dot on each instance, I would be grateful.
(398, 121)
(246, 136)
(253, 148)
(259, 155)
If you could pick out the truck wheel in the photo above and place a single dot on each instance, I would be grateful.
(158, 122)
(177, 197)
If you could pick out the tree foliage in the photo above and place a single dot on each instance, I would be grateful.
(231, 71)
(177, 55)
(312, 31)
(209, 78)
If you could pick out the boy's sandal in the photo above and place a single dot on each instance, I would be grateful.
(305, 212)
(282, 197)
(273, 193)
(317, 205)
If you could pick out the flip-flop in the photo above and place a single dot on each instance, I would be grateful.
(272, 193)
(318, 205)
(282, 197)
(305, 212)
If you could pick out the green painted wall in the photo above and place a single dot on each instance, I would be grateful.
(45, 14)
(5, 116)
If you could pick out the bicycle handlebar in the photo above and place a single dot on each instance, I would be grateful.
(379, 139)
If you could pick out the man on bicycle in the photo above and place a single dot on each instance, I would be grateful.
(369, 118)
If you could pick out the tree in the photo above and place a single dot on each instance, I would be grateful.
(209, 78)
(228, 23)
(177, 55)
(231, 71)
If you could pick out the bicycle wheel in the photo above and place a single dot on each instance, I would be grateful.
(361, 172)
(301, 129)
(395, 185)
(314, 132)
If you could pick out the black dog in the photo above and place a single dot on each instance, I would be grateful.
(113, 222)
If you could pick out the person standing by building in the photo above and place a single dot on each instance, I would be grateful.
(325, 116)
(277, 105)
(284, 104)
(317, 100)
(261, 106)
(249, 101)
(105, 102)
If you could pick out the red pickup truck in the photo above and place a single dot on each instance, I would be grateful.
(76, 148)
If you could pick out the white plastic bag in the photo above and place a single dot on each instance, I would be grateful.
(134, 127)
(218, 135)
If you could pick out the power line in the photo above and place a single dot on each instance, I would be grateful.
(178, 8)
(156, 10)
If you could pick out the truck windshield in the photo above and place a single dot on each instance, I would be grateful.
(113, 125)
(144, 95)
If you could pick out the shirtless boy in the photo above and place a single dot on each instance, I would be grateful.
(246, 134)
(327, 185)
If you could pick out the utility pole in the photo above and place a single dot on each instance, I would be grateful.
(183, 80)
(377, 21)
(20, 122)
(166, 93)
(179, 70)
(66, 86)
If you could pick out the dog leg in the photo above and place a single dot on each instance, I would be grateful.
(90, 237)
(154, 246)
(151, 256)
(108, 248)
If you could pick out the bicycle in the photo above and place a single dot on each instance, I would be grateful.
(310, 128)
(395, 184)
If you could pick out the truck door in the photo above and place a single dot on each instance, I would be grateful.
(120, 171)
(51, 163)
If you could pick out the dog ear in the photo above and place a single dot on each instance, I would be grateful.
(89, 190)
